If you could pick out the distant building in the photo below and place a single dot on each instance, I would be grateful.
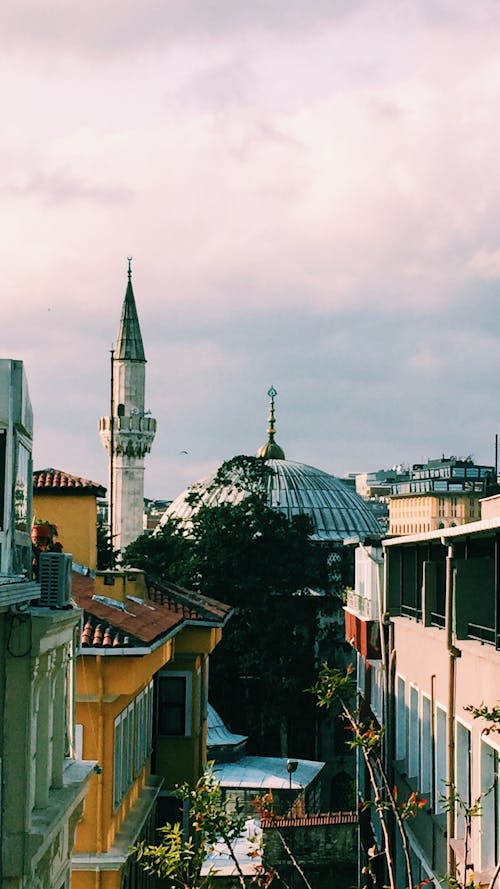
(43, 784)
(439, 494)
(128, 432)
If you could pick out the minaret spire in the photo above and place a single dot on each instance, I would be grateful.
(128, 433)
(271, 450)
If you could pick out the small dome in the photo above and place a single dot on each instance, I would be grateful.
(336, 511)
(271, 451)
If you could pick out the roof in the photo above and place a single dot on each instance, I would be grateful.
(58, 482)
(218, 735)
(136, 623)
(336, 510)
(266, 773)
(129, 340)
(326, 818)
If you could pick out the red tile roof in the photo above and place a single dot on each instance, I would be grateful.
(193, 604)
(329, 818)
(138, 623)
(56, 481)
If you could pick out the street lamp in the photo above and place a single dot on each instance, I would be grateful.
(291, 767)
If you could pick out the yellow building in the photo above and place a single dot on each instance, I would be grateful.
(142, 677)
(69, 503)
(419, 513)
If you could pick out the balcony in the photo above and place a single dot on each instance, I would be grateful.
(363, 635)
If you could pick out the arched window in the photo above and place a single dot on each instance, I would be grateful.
(121, 410)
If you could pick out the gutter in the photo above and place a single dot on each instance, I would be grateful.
(453, 653)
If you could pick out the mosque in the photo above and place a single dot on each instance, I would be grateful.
(127, 434)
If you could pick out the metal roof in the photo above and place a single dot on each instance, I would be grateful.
(336, 510)
(266, 773)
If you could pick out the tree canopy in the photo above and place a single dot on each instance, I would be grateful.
(263, 564)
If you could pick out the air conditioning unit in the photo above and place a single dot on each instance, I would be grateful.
(55, 579)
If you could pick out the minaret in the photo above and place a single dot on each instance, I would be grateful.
(128, 433)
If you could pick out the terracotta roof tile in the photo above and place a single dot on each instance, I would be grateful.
(54, 480)
(137, 623)
(192, 604)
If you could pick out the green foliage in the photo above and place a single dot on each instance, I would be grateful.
(255, 559)
(165, 555)
(491, 715)
(179, 859)
(334, 685)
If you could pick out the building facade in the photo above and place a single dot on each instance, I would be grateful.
(439, 494)
(43, 784)
(142, 689)
(70, 503)
(425, 620)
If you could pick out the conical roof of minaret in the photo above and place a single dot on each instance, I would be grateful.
(271, 450)
(129, 340)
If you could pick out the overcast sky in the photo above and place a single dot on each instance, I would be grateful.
(310, 193)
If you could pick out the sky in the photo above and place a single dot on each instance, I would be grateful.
(311, 196)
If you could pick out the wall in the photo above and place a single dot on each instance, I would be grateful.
(75, 516)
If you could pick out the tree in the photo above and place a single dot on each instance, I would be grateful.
(181, 859)
(337, 687)
(257, 560)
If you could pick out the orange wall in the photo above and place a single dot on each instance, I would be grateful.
(75, 517)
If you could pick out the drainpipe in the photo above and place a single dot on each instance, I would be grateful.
(100, 759)
(453, 654)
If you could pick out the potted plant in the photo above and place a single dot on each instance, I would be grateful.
(43, 533)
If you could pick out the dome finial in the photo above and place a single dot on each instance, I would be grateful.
(271, 450)
(129, 260)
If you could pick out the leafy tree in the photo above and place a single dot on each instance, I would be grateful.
(179, 859)
(165, 555)
(257, 560)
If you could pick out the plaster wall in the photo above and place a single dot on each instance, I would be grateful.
(75, 517)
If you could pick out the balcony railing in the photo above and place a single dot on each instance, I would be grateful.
(482, 634)
(362, 605)
(411, 611)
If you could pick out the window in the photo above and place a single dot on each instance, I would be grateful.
(439, 803)
(132, 742)
(173, 712)
(143, 723)
(413, 735)
(401, 720)
(490, 820)
(462, 772)
(426, 748)
(21, 488)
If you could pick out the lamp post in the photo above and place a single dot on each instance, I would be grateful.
(291, 767)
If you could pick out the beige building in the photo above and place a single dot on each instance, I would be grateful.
(439, 494)
(419, 513)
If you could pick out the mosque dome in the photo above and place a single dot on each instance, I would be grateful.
(336, 510)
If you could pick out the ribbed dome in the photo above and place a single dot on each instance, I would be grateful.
(337, 512)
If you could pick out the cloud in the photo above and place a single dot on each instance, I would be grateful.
(61, 186)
